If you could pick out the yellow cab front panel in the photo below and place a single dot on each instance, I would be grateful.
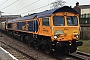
(45, 26)
(65, 26)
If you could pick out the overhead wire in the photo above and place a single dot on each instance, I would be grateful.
(75, 0)
(27, 6)
(9, 4)
(37, 8)
(3, 2)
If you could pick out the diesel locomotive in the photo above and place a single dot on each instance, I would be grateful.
(53, 30)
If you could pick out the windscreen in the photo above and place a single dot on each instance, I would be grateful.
(58, 21)
(72, 21)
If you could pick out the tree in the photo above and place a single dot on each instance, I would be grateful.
(57, 3)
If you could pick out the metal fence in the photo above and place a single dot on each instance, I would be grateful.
(85, 19)
(85, 15)
(85, 26)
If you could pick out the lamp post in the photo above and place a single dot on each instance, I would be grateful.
(1, 22)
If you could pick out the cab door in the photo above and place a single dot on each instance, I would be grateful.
(46, 29)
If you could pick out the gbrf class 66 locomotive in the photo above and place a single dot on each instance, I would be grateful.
(55, 29)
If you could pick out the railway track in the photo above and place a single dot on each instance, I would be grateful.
(18, 48)
(23, 52)
(16, 53)
(80, 55)
(26, 52)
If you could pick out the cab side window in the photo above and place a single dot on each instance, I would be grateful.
(45, 21)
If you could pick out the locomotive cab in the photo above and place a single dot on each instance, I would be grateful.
(66, 31)
(65, 27)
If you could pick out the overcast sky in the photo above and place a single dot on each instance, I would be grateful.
(23, 7)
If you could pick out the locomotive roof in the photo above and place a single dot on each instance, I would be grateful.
(46, 13)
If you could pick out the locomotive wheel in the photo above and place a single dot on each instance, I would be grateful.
(36, 46)
(26, 39)
(47, 48)
(47, 51)
(29, 44)
(21, 38)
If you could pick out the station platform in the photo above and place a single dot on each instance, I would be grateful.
(4, 55)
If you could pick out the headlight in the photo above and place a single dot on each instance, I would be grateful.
(55, 37)
(77, 36)
(59, 32)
